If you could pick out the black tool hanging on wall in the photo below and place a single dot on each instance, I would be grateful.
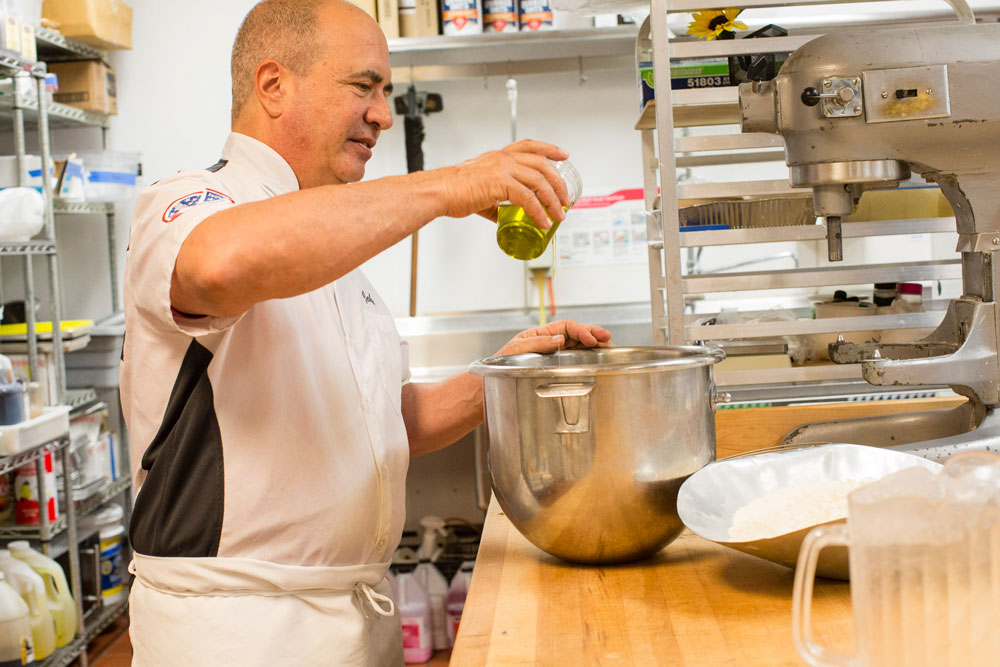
(413, 106)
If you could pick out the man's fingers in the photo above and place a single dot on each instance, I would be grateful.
(560, 335)
(544, 344)
(550, 151)
(524, 196)
(549, 172)
(541, 190)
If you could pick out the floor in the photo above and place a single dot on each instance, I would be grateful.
(112, 649)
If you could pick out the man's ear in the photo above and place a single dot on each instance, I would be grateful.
(271, 84)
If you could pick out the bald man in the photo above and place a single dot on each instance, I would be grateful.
(263, 379)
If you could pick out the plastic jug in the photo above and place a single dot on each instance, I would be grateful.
(436, 586)
(31, 588)
(16, 647)
(456, 598)
(415, 616)
(57, 591)
(924, 551)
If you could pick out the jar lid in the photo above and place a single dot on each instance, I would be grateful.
(110, 514)
(911, 288)
(599, 361)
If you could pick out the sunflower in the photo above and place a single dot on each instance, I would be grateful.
(711, 24)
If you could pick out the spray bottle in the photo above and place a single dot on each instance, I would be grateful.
(431, 548)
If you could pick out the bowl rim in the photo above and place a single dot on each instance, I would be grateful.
(515, 365)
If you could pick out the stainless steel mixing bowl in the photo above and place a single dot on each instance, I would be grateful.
(588, 448)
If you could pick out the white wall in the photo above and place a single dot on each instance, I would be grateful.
(174, 105)
(174, 102)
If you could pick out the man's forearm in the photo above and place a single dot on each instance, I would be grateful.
(298, 242)
(439, 414)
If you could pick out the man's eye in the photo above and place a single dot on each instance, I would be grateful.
(366, 87)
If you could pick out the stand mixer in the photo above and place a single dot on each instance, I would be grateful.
(862, 110)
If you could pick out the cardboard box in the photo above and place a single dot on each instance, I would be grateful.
(388, 17)
(418, 18)
(367, 5)
(105, 24)
(87, 85)
(902, 204)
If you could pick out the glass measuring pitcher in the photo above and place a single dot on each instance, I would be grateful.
(517, 233)
(924, 553)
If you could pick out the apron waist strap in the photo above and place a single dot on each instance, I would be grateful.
(247, 576)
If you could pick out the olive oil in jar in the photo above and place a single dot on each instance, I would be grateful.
(518, 235)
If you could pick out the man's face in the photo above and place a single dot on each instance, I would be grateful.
(341, 104)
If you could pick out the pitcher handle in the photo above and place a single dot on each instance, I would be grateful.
(802, 595)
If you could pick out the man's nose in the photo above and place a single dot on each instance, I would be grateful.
(379, 113)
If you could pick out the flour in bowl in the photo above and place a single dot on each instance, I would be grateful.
(792, 508)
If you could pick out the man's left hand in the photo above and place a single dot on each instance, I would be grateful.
(561, 335)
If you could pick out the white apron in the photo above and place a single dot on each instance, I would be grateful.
(244, 612)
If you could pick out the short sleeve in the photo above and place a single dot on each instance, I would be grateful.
(404, 360)
(164, 216)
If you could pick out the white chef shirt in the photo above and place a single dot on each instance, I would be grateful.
(276, 435)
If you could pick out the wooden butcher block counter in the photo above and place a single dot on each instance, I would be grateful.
(694, 603)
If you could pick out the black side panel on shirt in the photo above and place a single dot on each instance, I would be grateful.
(179, 510)
(217, 166)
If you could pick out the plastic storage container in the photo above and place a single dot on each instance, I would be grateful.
(57, 591)
(27, 507)
(16, 647)
(31, 588)
(32, 174)
(456, 598)
(11, 403)
(415, 617)
(110, 528)
(26, 11)
(52, 423)
(436, 587)
(110, 176)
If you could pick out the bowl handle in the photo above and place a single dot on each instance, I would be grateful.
(574, 404)
(720, 397)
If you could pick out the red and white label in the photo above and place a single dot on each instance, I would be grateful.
(604, 201)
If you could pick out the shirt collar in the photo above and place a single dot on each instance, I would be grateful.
(262, 162)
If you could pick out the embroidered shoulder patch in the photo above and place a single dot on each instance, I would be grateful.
(181, 204)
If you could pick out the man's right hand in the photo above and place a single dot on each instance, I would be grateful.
(520, 173)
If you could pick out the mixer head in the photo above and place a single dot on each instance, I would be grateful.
(860, 110)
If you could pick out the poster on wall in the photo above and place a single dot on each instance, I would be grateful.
(604, 229)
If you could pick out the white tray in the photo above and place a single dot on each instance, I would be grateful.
(51, 424)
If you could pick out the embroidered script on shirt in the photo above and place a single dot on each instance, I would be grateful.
(368, 298)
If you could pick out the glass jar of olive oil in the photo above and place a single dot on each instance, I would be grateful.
(517, 233)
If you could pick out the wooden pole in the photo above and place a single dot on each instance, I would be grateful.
(413, 274)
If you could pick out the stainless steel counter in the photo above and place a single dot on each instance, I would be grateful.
(445, 344)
